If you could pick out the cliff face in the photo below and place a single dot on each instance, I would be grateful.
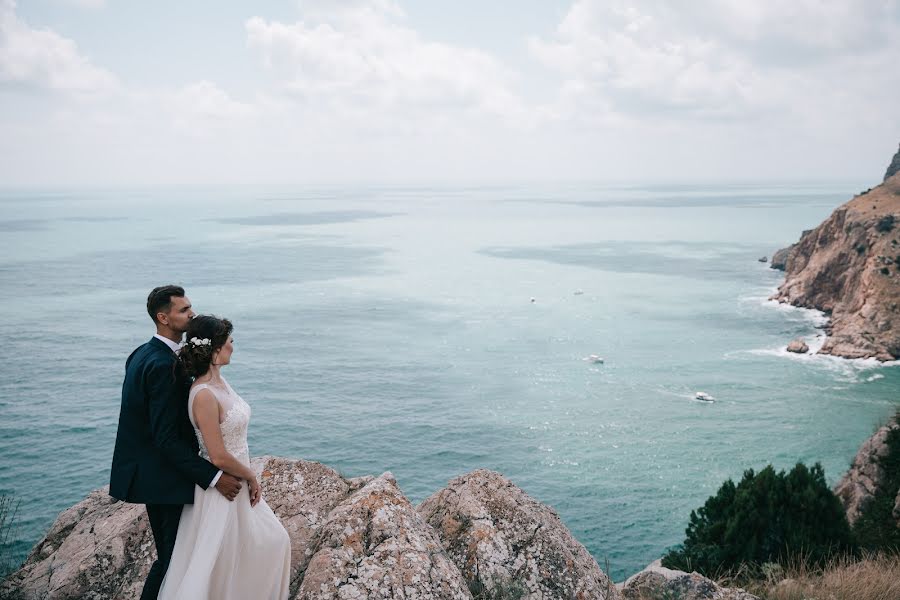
(867, 476)
(350, 538)
(849, 267)
(894, 167)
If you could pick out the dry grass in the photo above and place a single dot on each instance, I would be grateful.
(874, 577)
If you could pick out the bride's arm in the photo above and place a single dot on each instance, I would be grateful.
(206, 415)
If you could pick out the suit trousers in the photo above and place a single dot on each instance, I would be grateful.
(164, 520)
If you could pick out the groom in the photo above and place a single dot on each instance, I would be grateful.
(156, 459)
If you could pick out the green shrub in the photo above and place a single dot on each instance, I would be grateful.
(885, 223)
(764, 518)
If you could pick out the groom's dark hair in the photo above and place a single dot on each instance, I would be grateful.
(160, 299)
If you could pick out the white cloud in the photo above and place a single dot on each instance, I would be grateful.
(43, 59)
(631, 59)
(798, 31)
(88, 4)
(203, 104)
(619, 90)
(358, 60)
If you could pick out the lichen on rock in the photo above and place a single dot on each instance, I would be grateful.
(375, 545)
(350, 538)
(503, 539)
(659, 583)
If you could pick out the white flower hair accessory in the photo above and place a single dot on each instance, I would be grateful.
(194, 341)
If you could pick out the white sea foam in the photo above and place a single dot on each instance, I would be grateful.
(762, 297)
(848, 370)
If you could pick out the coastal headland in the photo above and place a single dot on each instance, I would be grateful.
(849, 268)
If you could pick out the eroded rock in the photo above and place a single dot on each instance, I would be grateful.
(866, 476)
(99, 548)
(798, 347)
(103, 548)
(375, 545)
(301, 493)
(506, 542)
(779, 258)
(659, 583)
(350, 538)
(894, 167)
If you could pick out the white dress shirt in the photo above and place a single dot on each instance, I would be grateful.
(176, 348)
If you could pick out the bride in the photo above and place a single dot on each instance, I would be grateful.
(224, 550)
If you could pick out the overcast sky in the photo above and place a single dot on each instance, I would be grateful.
(331, 91)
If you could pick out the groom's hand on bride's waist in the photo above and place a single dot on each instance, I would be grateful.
(228, 486)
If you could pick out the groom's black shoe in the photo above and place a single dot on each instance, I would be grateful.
(164, 523)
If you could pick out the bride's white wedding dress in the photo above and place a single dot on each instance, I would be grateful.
(228, 550)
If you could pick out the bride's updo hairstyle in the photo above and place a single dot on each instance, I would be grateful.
(205, 335)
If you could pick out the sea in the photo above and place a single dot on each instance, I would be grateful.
(433, 330)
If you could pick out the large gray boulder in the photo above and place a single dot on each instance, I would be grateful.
(375, 545)
(659, 583)
(302, 493)
(798, 346)
(100, 548)
(508, 545)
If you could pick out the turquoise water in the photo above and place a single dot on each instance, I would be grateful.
(393, 329)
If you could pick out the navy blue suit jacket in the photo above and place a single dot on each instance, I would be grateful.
(156, 458)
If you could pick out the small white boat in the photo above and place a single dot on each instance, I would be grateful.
(703, 397)
(593, 358)
(579, 292)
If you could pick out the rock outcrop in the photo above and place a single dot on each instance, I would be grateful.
(798, 347)
(779, 258)
(659, 583)
(99, 548)
(866, 476)
(350, 538)
(894, 167)
(849, 268)
(508, 545)
(375, 545)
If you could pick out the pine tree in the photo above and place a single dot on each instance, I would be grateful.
(767, 517)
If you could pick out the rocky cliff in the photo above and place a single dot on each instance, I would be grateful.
(849, 267)
(480, 537)
(867, 475)
(894, 167)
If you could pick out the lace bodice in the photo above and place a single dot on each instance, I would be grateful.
(233, 427)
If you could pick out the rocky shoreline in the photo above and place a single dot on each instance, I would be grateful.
(849, 268)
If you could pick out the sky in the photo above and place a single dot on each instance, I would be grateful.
(116, 92)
